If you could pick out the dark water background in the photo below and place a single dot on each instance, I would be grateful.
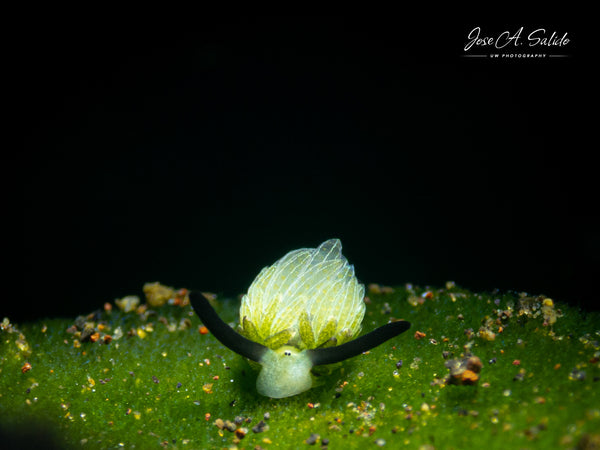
(197, 155)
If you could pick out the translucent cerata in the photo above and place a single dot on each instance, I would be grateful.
(310, 298)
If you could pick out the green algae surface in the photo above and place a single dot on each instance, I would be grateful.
(153, 377)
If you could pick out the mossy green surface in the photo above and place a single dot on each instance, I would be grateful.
(166, 384)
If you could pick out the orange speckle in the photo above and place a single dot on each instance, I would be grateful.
(428, 295)
(94, 337)
(311, 405)
(419, 335)
(216, 377)
(557, 366)
(207, 417)
(26, 367)
(107, 339)
(207, 362)
(500, 329)
(202, 329)
(107, 307)
(372, 429)
(469, 377)
(516, 362)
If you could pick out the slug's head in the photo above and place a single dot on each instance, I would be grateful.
(302, 311)
(285, 372)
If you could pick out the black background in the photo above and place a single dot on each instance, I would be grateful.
(196, 155)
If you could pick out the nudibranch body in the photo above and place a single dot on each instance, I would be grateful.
(301, 312)
(309, 298)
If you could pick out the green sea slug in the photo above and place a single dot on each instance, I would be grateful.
(303, 311)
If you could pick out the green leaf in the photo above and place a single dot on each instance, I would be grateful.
(305, 329)
(160, 382)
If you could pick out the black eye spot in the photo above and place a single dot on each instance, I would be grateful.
(287, 353)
